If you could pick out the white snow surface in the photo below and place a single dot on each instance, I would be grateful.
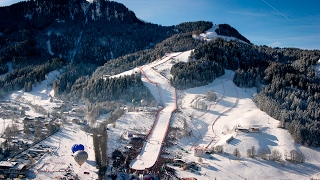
(49, 166)
(40, 94)
(234, 107)
(52, 166)
(167, 96)
(212, 35)
(317, 68)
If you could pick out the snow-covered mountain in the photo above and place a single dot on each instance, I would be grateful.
(76, 30)
(197, 126)
(207, 86)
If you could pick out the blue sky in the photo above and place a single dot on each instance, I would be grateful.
(276, 23)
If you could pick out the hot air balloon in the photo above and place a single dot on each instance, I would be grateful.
(77, 147)
(135, 102)
(143, 102)
(80, 157)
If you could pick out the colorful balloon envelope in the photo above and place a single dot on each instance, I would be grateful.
(80, 157)
(77, 147)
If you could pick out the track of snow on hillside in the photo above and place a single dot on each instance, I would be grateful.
(225, 103)
(166, 94)
(233, 108)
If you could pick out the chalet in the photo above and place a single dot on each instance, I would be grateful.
(56, 107)
(254, 129)
(32, 129)
(79, 121)
(44, 130)
(40, 118)
(76, 121)
(130, 134)
(28, 118)
(128, 147)
(12, 169)
(77, 111)
(83, 122)
(229, 139)
(38, 150)
(245, 130)
(199, 152)
(105, 76)
(179, 161)
(24, 108)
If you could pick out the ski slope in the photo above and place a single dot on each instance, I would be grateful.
(234, 106)
(212, 127)
(167, 96)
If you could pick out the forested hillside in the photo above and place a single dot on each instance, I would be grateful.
(227, 30)
(91, 40)
(72, 88)
(33, 33)
(78, 84)
(288, 87)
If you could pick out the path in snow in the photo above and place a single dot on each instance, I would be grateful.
(167, 96)
(222, 106)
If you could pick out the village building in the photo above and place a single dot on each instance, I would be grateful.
(199, 152)
(12, 169)
(254, 129)
(229, 139)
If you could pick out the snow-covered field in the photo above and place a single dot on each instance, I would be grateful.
(52, 166)
(233, 108)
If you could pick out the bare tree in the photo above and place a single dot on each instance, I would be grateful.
(275, 155)
(186, 166)
(296, 156)
(185, 124)
(249, 153)
(263, 154)
(218, 149)
(236, 153)
(8, 133)
(253, 151)
(211, 95)
(27, 132)
(153, 103)
(14, 130)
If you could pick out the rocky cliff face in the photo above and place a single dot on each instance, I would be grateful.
(76, 30)
(39, 14)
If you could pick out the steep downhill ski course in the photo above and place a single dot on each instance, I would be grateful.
(166, 95)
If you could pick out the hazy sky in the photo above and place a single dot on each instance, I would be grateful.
(276, 23)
